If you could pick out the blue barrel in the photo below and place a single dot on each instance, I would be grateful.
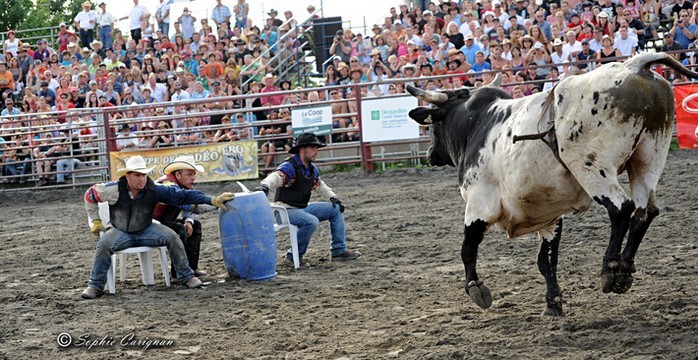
(247, 237)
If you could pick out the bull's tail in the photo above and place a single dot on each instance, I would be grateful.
(643, 61)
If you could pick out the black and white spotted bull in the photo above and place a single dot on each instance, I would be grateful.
(594, 127)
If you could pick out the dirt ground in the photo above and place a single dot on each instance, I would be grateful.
(403, 298)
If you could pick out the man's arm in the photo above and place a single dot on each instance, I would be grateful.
(173, 195)
(103, 192)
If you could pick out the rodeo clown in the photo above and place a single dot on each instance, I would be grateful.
(182, 173)
(294, 181)
(132, 200)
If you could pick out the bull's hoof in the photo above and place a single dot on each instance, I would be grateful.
(617, 277)
(553, 311)
(480, 294)
(554, 308)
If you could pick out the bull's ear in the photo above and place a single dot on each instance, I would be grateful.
(425, 115)
(463, 93)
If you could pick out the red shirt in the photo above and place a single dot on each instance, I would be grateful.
(274, 100)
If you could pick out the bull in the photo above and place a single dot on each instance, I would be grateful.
(617, 118)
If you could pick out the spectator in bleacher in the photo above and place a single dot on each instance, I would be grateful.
(671, 45)
(220, 14)
(162, 16)
(46, 93)
(125, 140)
(138, 14)
(241, 10)
(105, 25)
(608, 50)
(626, 45)
(41, 53)
(269, 86)
(684, 32)
(585, 54)
(85, 22)
(179, 94)
(44, 153)
(9, 109)
(11, 44)
(342, 45)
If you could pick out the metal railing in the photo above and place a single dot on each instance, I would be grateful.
(49, 34)
(280, 57)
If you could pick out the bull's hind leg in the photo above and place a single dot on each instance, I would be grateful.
(547, 264)
(644, 168)
(476, 289)
(597, 174)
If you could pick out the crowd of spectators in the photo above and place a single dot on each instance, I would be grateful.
(94, 66)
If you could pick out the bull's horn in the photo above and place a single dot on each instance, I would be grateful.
(433, 97)
(497, 82)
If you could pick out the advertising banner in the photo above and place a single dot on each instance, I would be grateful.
(235, 160)
(387, 119)
(686, 104)
(317, 120)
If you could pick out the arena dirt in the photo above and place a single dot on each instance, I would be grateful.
(403, 298)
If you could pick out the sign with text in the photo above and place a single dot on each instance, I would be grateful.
(235, 160)
(317, 120)
(686, 104)
(388, 119)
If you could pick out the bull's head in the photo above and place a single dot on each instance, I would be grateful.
(433, 116)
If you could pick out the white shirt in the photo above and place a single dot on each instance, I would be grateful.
(106, 19)
(159, 93)
(86, 19)
(626, 46)
(12, 46)
(134, 18)
(181, 96)
(559, 59)
(595, 45)
(569, 49)
(163, 8)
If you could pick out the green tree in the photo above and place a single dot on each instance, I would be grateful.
(13, 14)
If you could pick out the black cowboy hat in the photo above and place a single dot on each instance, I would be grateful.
(306, 139)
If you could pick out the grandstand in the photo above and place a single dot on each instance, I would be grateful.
(215, 76)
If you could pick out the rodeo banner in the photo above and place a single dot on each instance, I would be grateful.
(223, 161)
(686, 104)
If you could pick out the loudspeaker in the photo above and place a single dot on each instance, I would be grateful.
(324, 31)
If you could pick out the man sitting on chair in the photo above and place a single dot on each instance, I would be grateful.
(132, 200)
(182, 173)
(294, 180)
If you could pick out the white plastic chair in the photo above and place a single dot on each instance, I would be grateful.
(282, 222)
(145, 255)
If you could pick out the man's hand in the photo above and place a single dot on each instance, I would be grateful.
(263, 188)
(188, 228)
(336, 202)
(220, 200)
(97, 227)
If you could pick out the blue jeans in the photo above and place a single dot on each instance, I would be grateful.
(308, 219)
(165, 28)
(12, 169)
(154, 235)
(105, 36)
(64, 167)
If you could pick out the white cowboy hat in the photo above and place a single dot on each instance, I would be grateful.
(183, 162)
(134, 164)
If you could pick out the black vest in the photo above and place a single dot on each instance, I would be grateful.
(298, 194)
(135, 215)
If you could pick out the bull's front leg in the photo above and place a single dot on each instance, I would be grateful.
(547, 265)
(474, 233)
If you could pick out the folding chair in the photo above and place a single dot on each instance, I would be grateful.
(145, 255)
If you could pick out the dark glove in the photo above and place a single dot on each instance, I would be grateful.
(336, 202)
(262, 188)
